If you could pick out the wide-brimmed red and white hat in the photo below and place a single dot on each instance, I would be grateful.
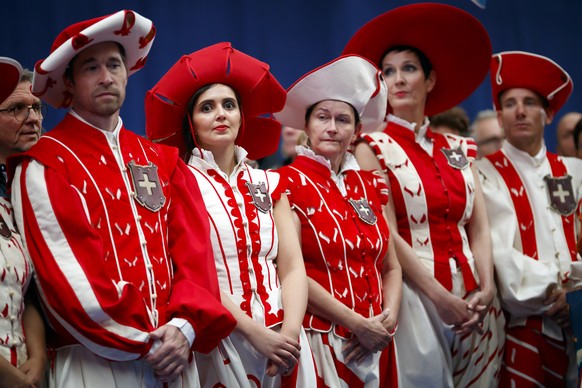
(132, 31)
(351, 79)
(259, 91)
(10, 71)
(455, 42)
(519, 69)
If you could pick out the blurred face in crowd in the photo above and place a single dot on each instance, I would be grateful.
(564, 135)
(20, 121)
(331, 128)
(489, 136)
(216, 117)
(524, 117)
(408, 87)
(99, 78)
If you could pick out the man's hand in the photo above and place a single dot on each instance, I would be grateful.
(171, 356)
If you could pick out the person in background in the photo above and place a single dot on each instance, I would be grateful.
(565, 142)
(213, 118)
(354, 277)
(487, 133)
(454, 120)
(531, 196)
(450, 326)
(23, 347)
(115, 225)
(577, 134)
(290, 139)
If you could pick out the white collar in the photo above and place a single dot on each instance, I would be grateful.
(115, 131)
(348, 162)
(411, 126)
(200, 155)
(518, 155)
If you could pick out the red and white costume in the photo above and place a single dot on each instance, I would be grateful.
(433, 201)
(245, 245)
(15, 273)
(534, 250)
(109, 269)
(344, 254)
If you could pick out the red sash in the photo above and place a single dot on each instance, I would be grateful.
(522, 204)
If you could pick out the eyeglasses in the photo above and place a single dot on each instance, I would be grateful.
(22, 112)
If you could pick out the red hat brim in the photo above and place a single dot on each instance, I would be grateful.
(519, 69)
(454, 41)
(260, 94)
(10, 71)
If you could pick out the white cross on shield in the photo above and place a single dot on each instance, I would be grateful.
(561, 194)
(456, 157)
(147, 186)
(260, 196)
(365, 212)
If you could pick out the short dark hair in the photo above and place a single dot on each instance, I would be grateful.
(310, 110)
(455, 118)
(424, 61)
(69, 68)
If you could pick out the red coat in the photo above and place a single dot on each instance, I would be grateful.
(109, 269)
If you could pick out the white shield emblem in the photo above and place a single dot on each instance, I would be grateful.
(561, 194)
(147, 186)
(456, 158)
(365, 212)
(261, 197)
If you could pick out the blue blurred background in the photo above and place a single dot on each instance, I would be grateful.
(292, 36)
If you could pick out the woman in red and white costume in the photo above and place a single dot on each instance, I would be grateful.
(208, 105)
(451, 328)
(353, 275)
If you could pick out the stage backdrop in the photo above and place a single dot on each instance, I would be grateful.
(293, 36)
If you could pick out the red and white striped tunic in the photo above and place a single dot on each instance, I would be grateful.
(244, 238)
(344, 252)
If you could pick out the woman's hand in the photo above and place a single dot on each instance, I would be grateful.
(370, 333)
(34, 369)
(282, 351)
(479, 304)
(453, 310)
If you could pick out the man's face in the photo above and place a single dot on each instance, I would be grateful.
(16, 135)
(565, 134)
(99, 80)
(523, 118)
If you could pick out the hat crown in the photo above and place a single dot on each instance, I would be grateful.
(351, 79)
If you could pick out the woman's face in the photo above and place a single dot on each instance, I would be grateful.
(216, 117)
(406, 82)
(331, 128)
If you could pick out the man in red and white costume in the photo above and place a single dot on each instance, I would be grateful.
(531, 197)
(114, 224)
(22, 358)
